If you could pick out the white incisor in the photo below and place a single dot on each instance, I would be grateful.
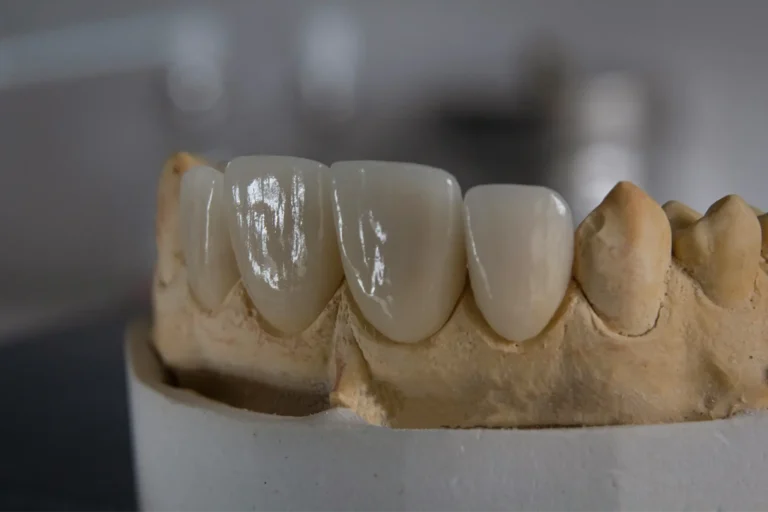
(401, 237)
(520, 250)
(211, 267)
(282, 232)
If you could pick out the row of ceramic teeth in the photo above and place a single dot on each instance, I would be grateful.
(400, 233)
(403, 238)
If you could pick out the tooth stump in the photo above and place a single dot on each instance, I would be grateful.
(635, 337)
(621, 259)
(722, 251)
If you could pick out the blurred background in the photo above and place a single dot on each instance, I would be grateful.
(94, 95)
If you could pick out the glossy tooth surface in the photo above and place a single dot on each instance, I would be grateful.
(211, 267)
(402, 245)
(520, 251)
(282, 231)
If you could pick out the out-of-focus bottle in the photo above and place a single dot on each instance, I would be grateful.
(601, 139)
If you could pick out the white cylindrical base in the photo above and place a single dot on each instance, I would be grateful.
(195, 454)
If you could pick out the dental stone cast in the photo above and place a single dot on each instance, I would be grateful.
(637, 335)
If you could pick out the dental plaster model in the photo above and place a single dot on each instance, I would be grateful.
(284, 286)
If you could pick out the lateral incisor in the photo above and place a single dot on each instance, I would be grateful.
(697, 360)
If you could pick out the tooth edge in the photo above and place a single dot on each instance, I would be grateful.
(212, 272)
(167, 221)
(680, 215)
(763, 220)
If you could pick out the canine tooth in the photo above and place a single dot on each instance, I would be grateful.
(680, 215)
(722, 250)
(282, 231)
(400, 231)
(211, 267)
(757, 210)
(623, 251)
(520, 251)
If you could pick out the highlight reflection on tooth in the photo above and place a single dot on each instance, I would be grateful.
(282, 231)
(722, 250)
(211, 267)
(680, 215)
(623, 251)
(400, 232)
(520, 250)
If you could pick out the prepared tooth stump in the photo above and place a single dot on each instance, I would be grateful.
(286, 286)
